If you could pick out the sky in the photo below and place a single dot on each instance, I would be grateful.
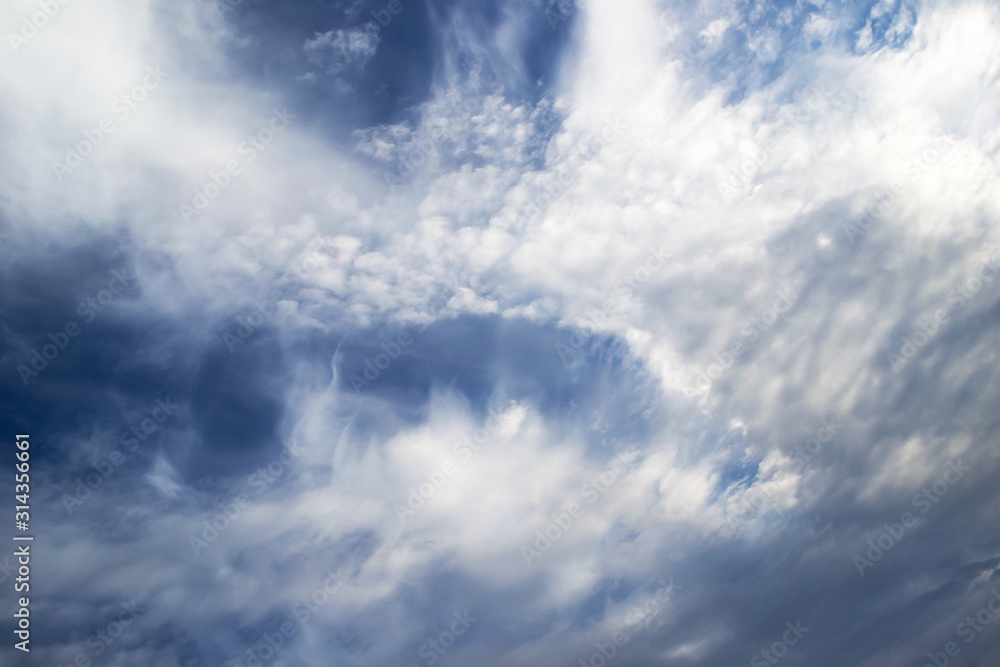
(502, 332)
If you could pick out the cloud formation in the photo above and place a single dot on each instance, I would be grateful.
(338, 49)
(628, 332)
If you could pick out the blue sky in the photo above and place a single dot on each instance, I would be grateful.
(504, 333)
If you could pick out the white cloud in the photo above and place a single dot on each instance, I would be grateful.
(641, 147)
(337, 50)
